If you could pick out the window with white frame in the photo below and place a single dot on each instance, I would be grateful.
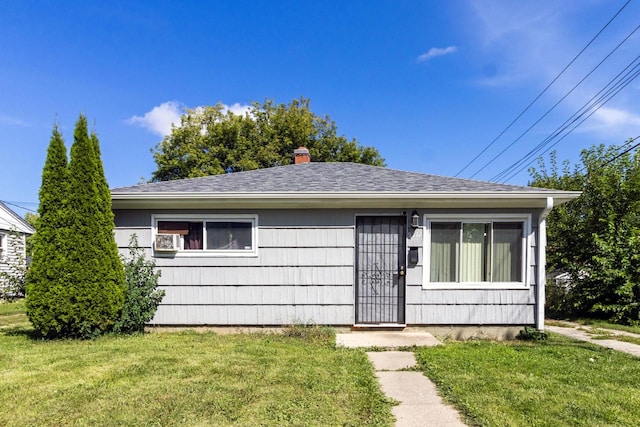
(210, 234)
(476, 251)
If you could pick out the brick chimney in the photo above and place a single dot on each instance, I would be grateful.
(301, 155)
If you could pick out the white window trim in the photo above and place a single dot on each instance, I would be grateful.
(207, 253)
(469, 218)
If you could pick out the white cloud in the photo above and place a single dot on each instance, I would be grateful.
(160, 118)
(12, 121)
(237, 108)
(615, 117)
(436, 51)
(529, 43)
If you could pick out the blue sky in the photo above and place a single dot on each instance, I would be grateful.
(429, 84)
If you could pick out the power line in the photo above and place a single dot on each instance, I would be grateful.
(17, 206)
(543, 91)
(597, 98)
(624, 152)
(557, 103)
(590, 107)
(528, 161)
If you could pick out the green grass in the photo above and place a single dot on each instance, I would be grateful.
(559, 323)
(606, 325)
(558, 382)
(604, 334)
(186, 378)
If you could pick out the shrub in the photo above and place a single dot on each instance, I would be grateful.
(311, 333)
(530, 333)
(14, 272)
(142, 295)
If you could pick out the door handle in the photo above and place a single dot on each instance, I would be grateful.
(401, 272)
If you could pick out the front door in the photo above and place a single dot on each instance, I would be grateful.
(380, 269)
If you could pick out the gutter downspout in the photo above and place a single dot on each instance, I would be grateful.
(542, 264)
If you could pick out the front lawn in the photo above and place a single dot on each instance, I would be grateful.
(185, 378)
(553, 383)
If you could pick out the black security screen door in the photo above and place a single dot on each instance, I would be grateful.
(380, 269)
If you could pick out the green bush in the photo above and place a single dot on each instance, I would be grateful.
(142, 296)
(530, 333)
(14, 272)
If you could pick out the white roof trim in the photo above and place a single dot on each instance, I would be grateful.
(15, 221)
(141, 200)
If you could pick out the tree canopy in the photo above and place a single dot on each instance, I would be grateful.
(212, 140)
(596, 238)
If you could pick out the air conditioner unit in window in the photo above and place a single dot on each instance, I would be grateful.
(167, 242)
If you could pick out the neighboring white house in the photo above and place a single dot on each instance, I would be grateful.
(13, 231)
(342, 244)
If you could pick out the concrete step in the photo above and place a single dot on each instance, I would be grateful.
(385, 339)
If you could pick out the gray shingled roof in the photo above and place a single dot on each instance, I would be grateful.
(323, 178)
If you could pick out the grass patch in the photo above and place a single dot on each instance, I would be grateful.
(606, 325)
(547, 383)
(185, 378)
(13, 316)
(558, 323)
(626, 338)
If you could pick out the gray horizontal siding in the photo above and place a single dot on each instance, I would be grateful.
(258, 295)
(15, 252)
(267, 257)
(252, 314)
(123, 235)
(304, 272)
(280, 237)
(419, 296)
(489, 314)
(257, 276)
(300, 274)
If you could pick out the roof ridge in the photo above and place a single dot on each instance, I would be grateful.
(341, 177)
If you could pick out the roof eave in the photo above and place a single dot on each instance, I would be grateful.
(172, 200)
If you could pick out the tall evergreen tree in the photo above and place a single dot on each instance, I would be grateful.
(76, 285)
(97, 279)
(46, 277)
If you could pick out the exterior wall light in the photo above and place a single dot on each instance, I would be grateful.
(415, 219)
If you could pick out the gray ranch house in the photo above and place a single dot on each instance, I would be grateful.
(341, 244)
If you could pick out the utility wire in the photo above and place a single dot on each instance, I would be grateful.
(624, 152)
(556, 104)
(598, 97)
(567, 134)
(624, 146)
(543, 91)
(591, 106)
(514, 173)
(17, 206)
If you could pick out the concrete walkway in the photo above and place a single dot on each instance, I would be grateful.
(420, 404)
(583, 333)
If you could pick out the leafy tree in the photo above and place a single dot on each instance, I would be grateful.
(46, 276)
(213, 141)
(76, 285)
(142, 296)
(596, 238)
(32, 219)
